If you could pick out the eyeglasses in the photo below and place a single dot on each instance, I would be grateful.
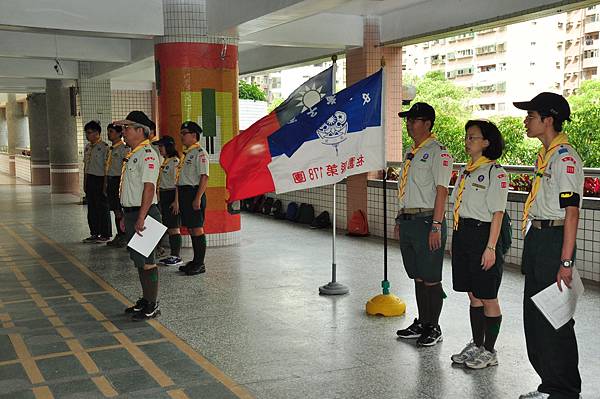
(473, 138)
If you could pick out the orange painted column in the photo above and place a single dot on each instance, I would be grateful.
(199, 82)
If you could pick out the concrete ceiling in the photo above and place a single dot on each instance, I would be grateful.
(116, 37)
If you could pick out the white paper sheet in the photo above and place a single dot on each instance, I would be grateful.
(145, 243)
(559, 307)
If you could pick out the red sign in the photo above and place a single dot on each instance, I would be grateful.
(299, 177)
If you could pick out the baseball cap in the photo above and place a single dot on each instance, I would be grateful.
(547, 103)
(191, 126)
(138, 117)
(165, 140)
(419, 110)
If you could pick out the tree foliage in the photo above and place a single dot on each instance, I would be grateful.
(250, 91)
(584, 128)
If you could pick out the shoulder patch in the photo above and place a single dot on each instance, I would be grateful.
(563, 151)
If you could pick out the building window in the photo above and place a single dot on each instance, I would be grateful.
(533, 43)
(531, 64)
(502, 66)
(531, 83)
(501, 106)
(590, 53)
(487, 107)
(487, 68)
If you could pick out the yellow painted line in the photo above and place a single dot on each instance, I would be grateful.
(96, 314)
(30, 290)
(81, 355)
(48, 312)
(10, 362)
(39, 301)
(177, 394)
(4, 317)
(42, 393)
(8, 324)
(32, 370)
(105, 387)
(110, 327)
(77, 296)
(64, 332)
(143, 360)
(26, 284)
(53, 355)
(55, 321)
(219, 375)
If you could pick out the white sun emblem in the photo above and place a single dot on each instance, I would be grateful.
(308, 97)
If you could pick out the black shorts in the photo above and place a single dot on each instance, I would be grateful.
(189, 217)
(419, 261)
(468, 244)
(138, 259)
(166, 198)
(112, 192)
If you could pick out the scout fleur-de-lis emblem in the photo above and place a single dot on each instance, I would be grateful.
(334, 130)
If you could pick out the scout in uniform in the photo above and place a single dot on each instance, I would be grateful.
(138, 199)
(192, 180)
(550, 219)
(420, 224)
(167, 198)
(98, 214)
(112, 169)
(479, 198)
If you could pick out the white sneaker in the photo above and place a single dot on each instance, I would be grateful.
(467, 353)
(535, 395)
(482, 359)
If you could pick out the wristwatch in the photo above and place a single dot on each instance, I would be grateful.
(568, 263)
(435, 229)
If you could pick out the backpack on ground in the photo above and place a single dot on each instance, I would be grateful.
(322, 221)
(358, 225)
(306, 214)
(267, 206)
(278, 210)
(291, 213)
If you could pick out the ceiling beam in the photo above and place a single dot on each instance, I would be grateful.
(14, 85)
(270, 57)
(37, 69)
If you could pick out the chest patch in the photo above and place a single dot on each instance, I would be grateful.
(480, 178)
(478, 186)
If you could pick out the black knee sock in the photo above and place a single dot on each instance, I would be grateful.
(175, 244)
(151, 281)
(422, 302)
(143, 283)
(477, 324)
(436, 300)
(492, 329)
(199, 245)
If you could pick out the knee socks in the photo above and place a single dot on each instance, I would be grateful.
(492, 329)
(199, 245)
(150, 278)
(477, 324)
(435, 294)
(422, 302)
(175, 244)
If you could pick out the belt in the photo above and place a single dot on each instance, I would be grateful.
(472, 222)
(166, 189)
(413, 213)
(129, 209)
(187, 186)
(544, 224)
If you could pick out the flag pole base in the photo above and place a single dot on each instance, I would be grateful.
(333, 288)
(387, 305)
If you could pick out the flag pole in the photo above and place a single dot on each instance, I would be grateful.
(333, 287)
(385, 304)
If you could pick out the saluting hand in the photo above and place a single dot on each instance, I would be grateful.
(139, 226)
(488, 259)
(435, 240)
(564, 274)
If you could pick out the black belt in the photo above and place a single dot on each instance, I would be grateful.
(129, 209)
(187, 186)
(412, 216)
(114, 177)
(166, 189)
(472, 222)
(544, 224)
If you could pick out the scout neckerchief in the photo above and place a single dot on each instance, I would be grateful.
(185, 152)
(108, 162)
(543, 158)
(88, 155)
(124, 166)
(162, 167)
(471, 167)
(409, 158)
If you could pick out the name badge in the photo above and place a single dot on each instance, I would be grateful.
(479, 186)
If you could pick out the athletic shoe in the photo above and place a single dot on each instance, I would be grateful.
(431, 335)
(535, 395)
(482, 359)
(102, 240)
(117, 242)
(138, 307)
(160, 251)
(150, 311)
(195, 269)
(90, 240)
(171, 261)
(413, 331)
(467, 353)
(188, 265)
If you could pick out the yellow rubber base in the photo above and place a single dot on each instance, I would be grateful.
(386, 305)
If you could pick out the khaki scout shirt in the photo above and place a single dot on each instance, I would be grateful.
(116, 161)
(195, 164)
(431, 167)
(94, 158)
(564, 173)
(142, 167)
(168, 173)
(485, 192)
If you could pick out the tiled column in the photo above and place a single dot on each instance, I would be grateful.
(360, 63)
(18, 135)
(3, 128)
(38, 138)
(62, 139)
(197, 79)
(94, 99)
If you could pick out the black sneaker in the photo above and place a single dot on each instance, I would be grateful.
(195, 269)
(150, 311)
(413, 331)
(90, 240)
(188, 265)
(431, 335)
(138, 307)
(117, 242)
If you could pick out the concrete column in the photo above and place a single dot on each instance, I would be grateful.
(62, 139)
(38, 138)
(3, 128)
(360, 63)
(197, 80)
(18, 135)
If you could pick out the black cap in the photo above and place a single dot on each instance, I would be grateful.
(191, 126)
(419, 110)
(548, 103)
(165, 140)
(141, 118)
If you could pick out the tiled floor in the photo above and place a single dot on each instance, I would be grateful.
(255, 320)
